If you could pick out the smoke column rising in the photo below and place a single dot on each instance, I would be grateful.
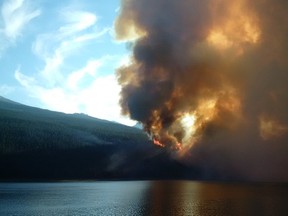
(209, 79)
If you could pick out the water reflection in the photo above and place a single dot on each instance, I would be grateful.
(143, 198)
(190, 198)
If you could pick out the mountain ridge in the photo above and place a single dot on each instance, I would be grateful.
(32, 108)
(41, 144)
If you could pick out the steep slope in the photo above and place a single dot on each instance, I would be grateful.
(42, 144)
(28, 128)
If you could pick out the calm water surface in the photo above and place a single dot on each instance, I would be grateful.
(142, 198)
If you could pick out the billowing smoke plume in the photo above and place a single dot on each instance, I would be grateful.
(209, 78)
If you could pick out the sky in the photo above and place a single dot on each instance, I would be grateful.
(62, 56)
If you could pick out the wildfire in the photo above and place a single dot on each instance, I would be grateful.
(188, 123)
(193, 75)
(188, 127)
(232, 31)
(158, 143)
(177, 146)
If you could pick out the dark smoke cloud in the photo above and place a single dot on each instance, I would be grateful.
(189, 54)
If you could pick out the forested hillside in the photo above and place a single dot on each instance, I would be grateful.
(25, 128)
(41, 144)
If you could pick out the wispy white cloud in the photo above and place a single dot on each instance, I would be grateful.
(99, 98)
(25, 81)
(6, 89)
(54, 47)
(78, 27)
(15, 14)
(74, 79)
(76, 21)
(71, 90)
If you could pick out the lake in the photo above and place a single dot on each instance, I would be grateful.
(142, 198)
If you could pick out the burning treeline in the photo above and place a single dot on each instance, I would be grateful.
(203, 69)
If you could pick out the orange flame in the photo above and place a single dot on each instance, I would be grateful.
(158, 143)
(177, 146)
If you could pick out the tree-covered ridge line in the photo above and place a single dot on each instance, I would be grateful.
(25, 128)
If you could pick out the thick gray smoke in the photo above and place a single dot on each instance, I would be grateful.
(210, 79)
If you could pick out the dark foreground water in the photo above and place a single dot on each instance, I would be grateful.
(142, 198)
